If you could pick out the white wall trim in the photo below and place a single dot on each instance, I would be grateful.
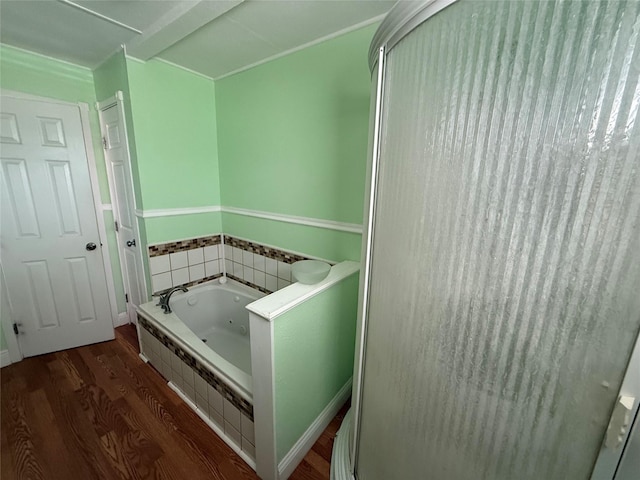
(123, 319)
(308, 221)
(129, 57)
(309, 437)
(264, 406)
(27, 96)
(41, 55)
(107, 206)
(278, 217)
(183, 68)
(331, 36)
(5, 358)
(172, 212)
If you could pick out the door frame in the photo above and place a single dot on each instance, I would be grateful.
(15, 354)
(118, 100)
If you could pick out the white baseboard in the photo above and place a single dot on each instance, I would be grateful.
(5, 359)
(123, 319)
(143, 357)
(308, 438)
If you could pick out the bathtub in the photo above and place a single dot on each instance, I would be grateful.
(202, 348)
(216, 314)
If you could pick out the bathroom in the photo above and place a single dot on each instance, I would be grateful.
(269, 158)
(272, 157)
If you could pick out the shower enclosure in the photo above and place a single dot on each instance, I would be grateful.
(500, 292)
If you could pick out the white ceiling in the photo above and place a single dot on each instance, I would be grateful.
(212, 37)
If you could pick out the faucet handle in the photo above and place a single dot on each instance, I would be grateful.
(160, 296)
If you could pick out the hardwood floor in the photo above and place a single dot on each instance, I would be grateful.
(98, 412)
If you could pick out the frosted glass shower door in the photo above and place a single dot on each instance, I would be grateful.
(505, 274)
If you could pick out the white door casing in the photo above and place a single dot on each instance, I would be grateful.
(115, 141)
(56, 285)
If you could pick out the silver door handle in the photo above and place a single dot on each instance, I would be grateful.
(131, 243)
(90, 246)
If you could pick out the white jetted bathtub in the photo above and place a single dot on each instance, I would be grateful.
(217, 315)
(203, 349)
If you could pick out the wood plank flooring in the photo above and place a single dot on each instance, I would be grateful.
(98, 412)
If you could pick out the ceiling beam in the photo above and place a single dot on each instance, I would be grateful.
(179, 22)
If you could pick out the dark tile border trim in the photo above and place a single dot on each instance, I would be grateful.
(203, 280)
(183, 245)
(249, 284)
(208, 376)
(274, 253)
(191, 284)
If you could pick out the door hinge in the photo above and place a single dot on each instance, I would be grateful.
(104, 142)
(126, 297)
(117, 226)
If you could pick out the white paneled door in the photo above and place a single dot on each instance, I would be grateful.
(51, 251)
(119, 169)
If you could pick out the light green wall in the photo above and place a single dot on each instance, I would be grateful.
(163, 229)
(313, 358)
(174, 120)
(172, 140)
(26, 72)
(292, 139)
(175, 130)
(317, 242)
(111, 76)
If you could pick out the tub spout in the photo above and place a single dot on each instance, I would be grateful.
(164, 299)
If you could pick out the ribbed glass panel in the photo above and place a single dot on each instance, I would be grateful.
(506, 268)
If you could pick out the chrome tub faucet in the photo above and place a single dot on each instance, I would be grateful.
(164, 298)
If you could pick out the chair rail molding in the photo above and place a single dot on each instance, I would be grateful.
(278, 217)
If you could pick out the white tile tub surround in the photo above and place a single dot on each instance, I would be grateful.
(192, 265)
(262, 271)
(178, 268)
(178, 260)
(232, 425)
(179, 276)
(195, 256)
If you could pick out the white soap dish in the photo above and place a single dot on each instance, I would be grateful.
(310, 271)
